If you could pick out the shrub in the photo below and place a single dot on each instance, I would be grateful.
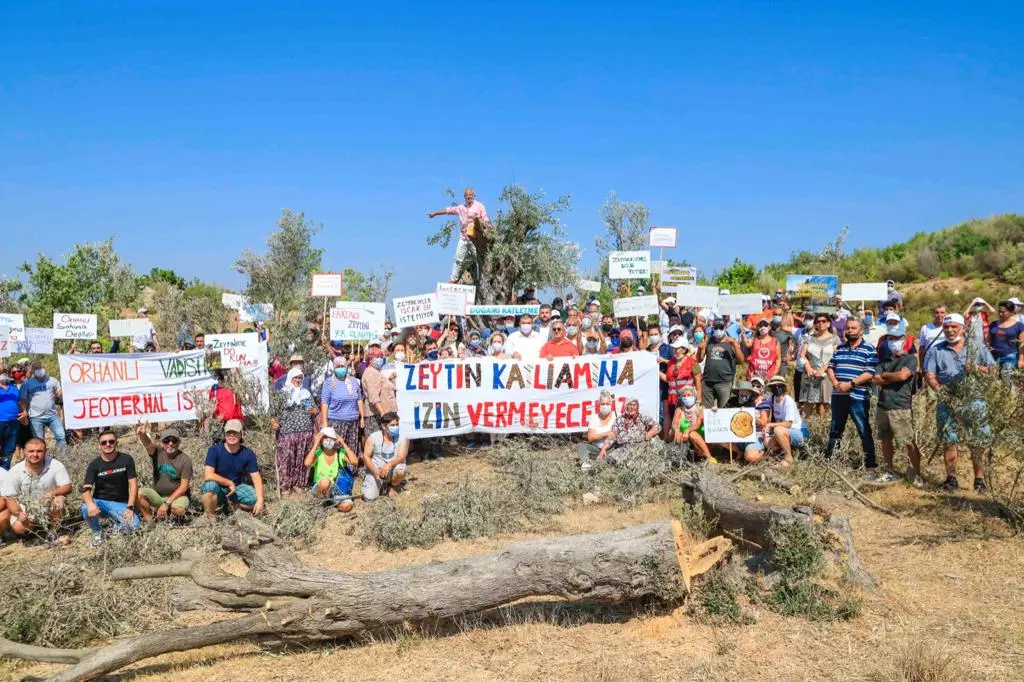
(716, 602)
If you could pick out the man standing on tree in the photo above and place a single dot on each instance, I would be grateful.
(472, 220)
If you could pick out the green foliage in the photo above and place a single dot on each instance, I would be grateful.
(716, 602)
(367, 287)
(738, 278)
(163, 275)
(626, 224)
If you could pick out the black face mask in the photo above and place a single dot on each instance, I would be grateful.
(852, 337)
(745, 399)
(626, 343)
(778, 390)
(607, 328)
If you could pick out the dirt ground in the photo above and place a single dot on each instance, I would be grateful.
(951, 574)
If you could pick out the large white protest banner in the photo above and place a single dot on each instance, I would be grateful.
(112, 389)
(676, 275)
(694, 296)
(865, 291)
(502, 310)
(730, 426)
(507, 396)
(38, 341)
(453, 299)
(325, 285)
(635, 306)
(74, 326)
(739, 304)
(663, 237)
(5, 341)
(589, 285)
(413, 310)
(15, 323)
(138, 326)
(355, 321)
(232, 301)
(629, 264)
(255, 312)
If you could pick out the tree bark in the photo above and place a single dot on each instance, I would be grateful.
(292, 602)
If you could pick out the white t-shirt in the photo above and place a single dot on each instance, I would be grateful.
(139, 341)
(23, 485)
(596, 426)
(528, 347)
(930, 333)
(787, 411)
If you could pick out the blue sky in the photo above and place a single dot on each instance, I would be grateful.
(182, 128)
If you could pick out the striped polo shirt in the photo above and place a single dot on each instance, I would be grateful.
(849, 363)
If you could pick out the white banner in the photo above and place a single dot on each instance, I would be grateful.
(256, 312)
(635, 306)
(106, 389)
(232, 301)
(739, 304)
(413, 310)
(138, 326)
(355, 321)
(503, 310)
(730, 426)
(678, 275)
(694, 296)
(508, 396)
(663, 237)
(74, 326)
(325, 285)
(453, 299)
(5, 341)
(589, 285)
(15, 322)
(861, 291)
(38, 341)
(629, 264)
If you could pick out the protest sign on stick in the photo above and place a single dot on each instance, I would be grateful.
(453, 299)
(739, 304)
(695, 296)
(589, 285)
(635, 306)
(326, 285)
(232, 301)
(812, 286)
(413, 310)
(663, 237)
(356, 321)
(678, 275)
(730, 425)
(138, 326)
(38, 341)
(255, 312)
(629, 264)
(15, 322)
(5, 341)
(74, 326)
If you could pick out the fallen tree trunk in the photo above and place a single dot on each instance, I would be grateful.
(291, 602)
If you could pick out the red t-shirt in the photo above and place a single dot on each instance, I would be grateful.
(559, 349)
(228, 406)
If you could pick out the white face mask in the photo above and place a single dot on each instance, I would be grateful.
(604, 410)
(400, 356)
(525, 329)
(655, 339)
(329, 443)
(689, 400)
(496, 347)
(956, 339)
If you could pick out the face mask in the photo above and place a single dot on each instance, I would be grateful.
(525, 329)
(689, 400)
(778, 390)
(698, 336)
(587, 323)
(572, 331)
(851, 337)
(4, 379)
(777, 319)
(400, 356)
(604, 410)
(869, 320)
(762, 330)
(896, 346)
(607, 328)
(719, 334)
(509, 328)
(431, 355)
(341, 372)
(393, 432)
(655, 339)
(475, 343)
(40, 373)
(976, 308)
(626, 343)
(328, 443)
(592, 346)
(956, 339)
(496, 347)
(377, 363)
(745, 399)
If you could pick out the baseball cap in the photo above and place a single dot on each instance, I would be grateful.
(1016, 301)
(676, 328)
(233, 425)
(681, 342)
(669, 299)
(892, 317)
(329, 432)
(953, 318)
(170, 432)
(757, 380)
(295, 358)
(142, 310)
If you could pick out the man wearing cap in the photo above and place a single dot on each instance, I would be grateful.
(947, 364)
(111, 489)
(140, 341)
(894, 418)
(334, 468)
(892, 297)
(231, 475)
(172, 476)
(851, 370)
(38, 400)
(895, 328)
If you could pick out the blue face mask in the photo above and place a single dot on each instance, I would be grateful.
(341, 372)
(475, 343)
(378, 363)
(431, 355)
(40, 373)
(698, 336)
(393, 432)
(509, 328)
(592, 346)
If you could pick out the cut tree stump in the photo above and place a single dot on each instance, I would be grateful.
(287, 601)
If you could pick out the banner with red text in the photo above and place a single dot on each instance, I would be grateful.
(508, 396)
(122, 388)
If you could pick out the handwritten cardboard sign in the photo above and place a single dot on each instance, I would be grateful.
(413, 310)
(135, 327)
(629, 264)
(453, 299)
(663, 237)
(636, 306)
(38, 341)
(74, 326)
(355, 321)
(15, 322)
(732, 425)
(326, 285)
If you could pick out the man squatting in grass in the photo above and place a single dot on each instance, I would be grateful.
(231, 475)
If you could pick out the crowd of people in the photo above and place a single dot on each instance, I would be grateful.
(335, 422)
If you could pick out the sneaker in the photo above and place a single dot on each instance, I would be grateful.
(52, 540)
(586, 466)
(917, 482)
(979, 486)
(950, 485)
(97, 540)
(881, 477)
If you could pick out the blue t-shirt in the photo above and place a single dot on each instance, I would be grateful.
(234, 467)
(849, 363)
(1004, 340)
(9, 403)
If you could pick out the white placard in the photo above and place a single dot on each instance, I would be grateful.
(241, 351)
(355, 321)
(15, 322)
(232, 301)
(635, 306)
(865, 291)
(38, 341)
(724, 426)
(325, 285)
(503, 310)
(5, 341)
(255, 312)
(629, 264)
(453, 299)
(413, 310)
(695, 296)
(663, 237)
(589, 285)
(74, 326)
(739, 304)
(138, 326)
(674, 275)
(657, 266)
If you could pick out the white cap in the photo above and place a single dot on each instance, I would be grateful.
(556, 314)
(669, 299)
(758, 380)
(892, 317)
(953, 318)
(1016, 301)
(765, 297)
(676, 328)
(141, 310)
(329, 432)
(681, 342)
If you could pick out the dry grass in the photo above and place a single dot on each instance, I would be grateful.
(921, 662)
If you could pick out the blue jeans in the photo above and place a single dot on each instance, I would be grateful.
(110, 510)
(843, 408)
(8, 441)
(1008, 362)
(244, 494)
(973, 418)
(39, 425)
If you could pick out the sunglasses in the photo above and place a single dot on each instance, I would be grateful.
(108, 441)
(170, 441)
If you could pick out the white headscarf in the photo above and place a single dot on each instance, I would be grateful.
(296, 396)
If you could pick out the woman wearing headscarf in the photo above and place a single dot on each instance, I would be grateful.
(341, 404)
(294, 432)
(632, 428)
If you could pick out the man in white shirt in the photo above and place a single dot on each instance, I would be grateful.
(525, 344)
(931, 332)
(39, 481)
(140, 341)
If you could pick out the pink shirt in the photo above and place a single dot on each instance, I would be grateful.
(467, 214)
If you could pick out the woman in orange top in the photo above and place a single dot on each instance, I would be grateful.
(683, 370)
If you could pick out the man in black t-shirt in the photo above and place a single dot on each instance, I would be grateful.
(894, 421)
(110, 490)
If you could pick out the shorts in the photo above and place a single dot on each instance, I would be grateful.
(372, 488)
(1007, 362)
(719, 392)
(155, 499)
(973, 417)
(796, 439)
(895, 425)
(343, 484)
(244, 494)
